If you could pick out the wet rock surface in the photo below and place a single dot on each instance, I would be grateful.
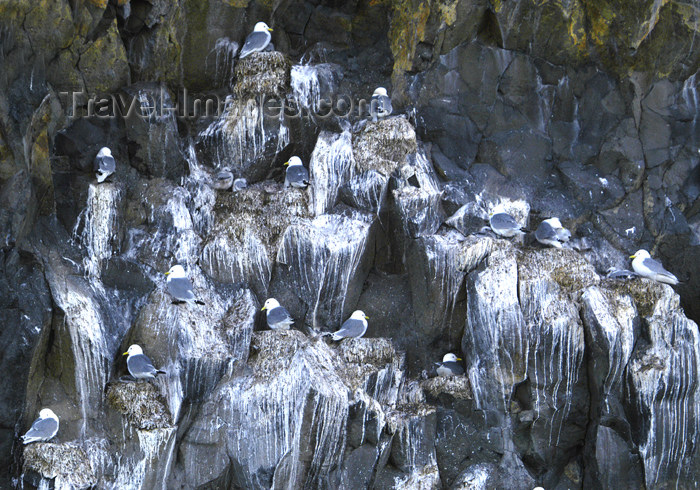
(583, 110)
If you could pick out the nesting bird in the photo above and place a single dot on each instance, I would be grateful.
(380, 105)
(179, 286)
(43, 429)
(645, 266)
(505, 225)
(223, 179)
(353, 327)
(278, 318)
(449, 366)
(552, 233)
(239, 184)
(105, 165)
(257, 40)
(139, 365)
(296, 175)
(622, 274)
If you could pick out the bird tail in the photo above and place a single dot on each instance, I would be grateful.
(199, 302)
(29, 440)
(160, 371)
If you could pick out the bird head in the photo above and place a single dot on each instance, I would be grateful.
(104, 151)
(450, 358)
(262, 27)
(359, 315)
(554, 222)
(642, 254)
(293, 161)
(270, 304)
(176, 271)
(380, 91)
(133, 350)
(47, 413)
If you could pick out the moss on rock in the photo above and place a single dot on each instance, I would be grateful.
(266, 209)
(68, 463)
(264, 73)
(456, 386)
(384, 145)
(141, 403)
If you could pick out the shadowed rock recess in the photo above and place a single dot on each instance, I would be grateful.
(585, 110)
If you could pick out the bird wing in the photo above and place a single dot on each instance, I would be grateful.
(224, 176)
(105, 163)
(545, 232)
(297, 173)
(140, 364)
(351, 328)
(454, 367)
(381, 104)
(503, 221)
(278, 315)
(256, 41)
(656, 267)
(42, 428)
(386, 107)
(181, 288)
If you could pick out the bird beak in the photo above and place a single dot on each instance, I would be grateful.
(459, 358)
(285, 163)
(633, 256)
(263, 308)
(269, 29)
(366, 317)
(167, 273)
(125, 354)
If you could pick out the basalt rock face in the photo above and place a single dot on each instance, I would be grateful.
(572, 380)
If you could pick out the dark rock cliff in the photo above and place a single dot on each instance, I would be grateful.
(587, 110)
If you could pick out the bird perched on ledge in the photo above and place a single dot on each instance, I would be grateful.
(105, 165)
(552, 233)
(449, 366)
(223, 179)
(353, 327)
(296, 175)
(139, 365)
(180, 287)
(505, 225)
(645, 266)
(256, 40)
(278, 318)
(380, 105)
(43, 429)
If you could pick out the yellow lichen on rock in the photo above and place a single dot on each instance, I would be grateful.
(406, 31)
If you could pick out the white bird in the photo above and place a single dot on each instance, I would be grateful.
(551, 232)
(104, 164)
(223, 179)
(239, 184)
(645, 266)
(380, 105)
(179, 285)
(450, 366)
(505, 225)
(296, 175)
(43, 429)
(353, 327)
(278, 318)
(256, 40)
(139, 365)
